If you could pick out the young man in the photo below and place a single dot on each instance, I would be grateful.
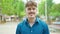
(32, 24)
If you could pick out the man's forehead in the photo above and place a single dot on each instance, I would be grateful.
(31, 7)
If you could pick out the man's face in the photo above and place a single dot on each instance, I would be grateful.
(31, 11)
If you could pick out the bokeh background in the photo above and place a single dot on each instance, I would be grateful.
(13, 11)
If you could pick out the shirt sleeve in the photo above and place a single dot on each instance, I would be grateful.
(46, 29)
(18, 31)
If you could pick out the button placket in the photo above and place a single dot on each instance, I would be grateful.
(31, 31)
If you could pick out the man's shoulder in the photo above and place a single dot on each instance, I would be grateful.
(43, 23)
(21, 23)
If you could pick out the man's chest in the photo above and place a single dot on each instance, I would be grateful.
(32, 30)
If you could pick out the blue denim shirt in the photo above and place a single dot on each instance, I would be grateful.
(39, 27)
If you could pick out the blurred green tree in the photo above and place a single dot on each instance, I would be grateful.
(13, 7)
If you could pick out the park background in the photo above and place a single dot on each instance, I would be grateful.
(13, 11)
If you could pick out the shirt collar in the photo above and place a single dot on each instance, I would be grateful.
(36, 21)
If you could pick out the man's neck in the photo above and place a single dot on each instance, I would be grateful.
(31, 20)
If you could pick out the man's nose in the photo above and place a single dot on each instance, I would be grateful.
(31, 10)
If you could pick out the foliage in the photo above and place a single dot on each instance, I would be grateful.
(16, 7)
(55, 10)
(12, 7)
(41, 8)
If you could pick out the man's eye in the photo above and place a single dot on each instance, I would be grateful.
(29, 8)
(33, 8)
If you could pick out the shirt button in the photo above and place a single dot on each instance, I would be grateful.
(31, 31)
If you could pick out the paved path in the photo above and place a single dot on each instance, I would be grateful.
(8, 28)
